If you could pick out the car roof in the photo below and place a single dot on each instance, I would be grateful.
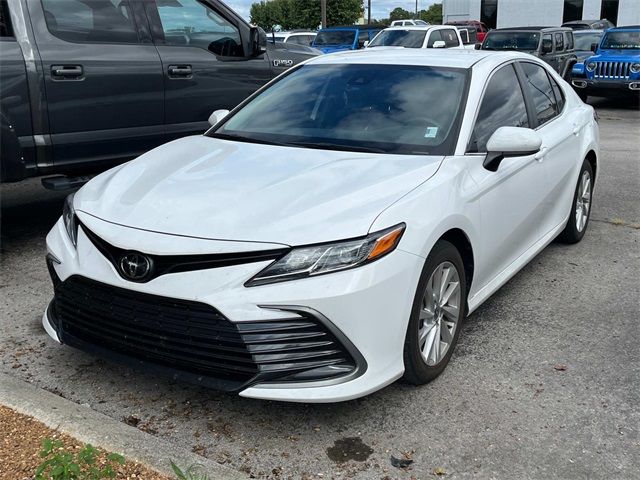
(626, 27)
(587, 31)
(419, 28)
(453, 58)
(532, 29)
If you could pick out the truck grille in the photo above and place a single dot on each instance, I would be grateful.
(612, 70)
(195, 338)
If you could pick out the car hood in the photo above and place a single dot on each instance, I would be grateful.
(616, 55)
(218, 189)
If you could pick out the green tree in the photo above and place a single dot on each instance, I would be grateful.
(433, 14)
(399, 13)
(292, 14)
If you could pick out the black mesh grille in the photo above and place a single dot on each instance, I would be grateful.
(195, 338)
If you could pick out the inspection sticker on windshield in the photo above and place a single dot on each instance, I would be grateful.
(431, 132)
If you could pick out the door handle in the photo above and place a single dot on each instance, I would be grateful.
(180, 70)
(66, 71)
(541, 154)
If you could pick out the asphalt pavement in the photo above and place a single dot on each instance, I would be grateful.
(545, 382)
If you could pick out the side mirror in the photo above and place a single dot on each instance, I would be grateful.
(510, 142)
(439, 44)
(365, 44)
(547, 47)
(478, 46)
(594, 47)
(217, 116)
(258, 41)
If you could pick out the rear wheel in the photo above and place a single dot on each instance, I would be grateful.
(438, 309)
(581, 207)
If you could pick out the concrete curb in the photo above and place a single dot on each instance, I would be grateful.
(89, 426)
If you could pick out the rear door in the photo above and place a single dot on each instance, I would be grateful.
(103, 80)
(203, 62)
(560, 131)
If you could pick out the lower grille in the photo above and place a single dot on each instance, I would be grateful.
(196, 339)
(612, 70)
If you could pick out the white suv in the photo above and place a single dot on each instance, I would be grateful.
(405, 23)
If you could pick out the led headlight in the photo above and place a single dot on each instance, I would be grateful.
(635, 67)
(315, 260)
(70, 220)
(591, 66)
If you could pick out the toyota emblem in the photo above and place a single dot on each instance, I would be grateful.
(135, 266)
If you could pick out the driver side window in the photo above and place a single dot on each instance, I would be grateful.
(191, 23)
(502, 106)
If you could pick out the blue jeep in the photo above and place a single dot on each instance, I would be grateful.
(336, 39)
(614, 67)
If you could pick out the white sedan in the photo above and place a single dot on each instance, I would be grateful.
(338, 248)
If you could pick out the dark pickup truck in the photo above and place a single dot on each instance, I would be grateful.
(88, 84)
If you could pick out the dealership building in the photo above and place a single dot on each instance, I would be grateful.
(512, 13)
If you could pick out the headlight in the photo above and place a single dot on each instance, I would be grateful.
(591, 66)
(635, 67)
(69, 219)
(315, 260)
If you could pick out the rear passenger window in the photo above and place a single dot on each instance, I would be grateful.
(502, 106)
(5, 20)
(558, 94)
(569, 40)
(97, 21)
(539, 87)
(450, 38)
(433, 38)
(559, 42)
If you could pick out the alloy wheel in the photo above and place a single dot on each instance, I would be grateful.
(439, 313)
(583, 201)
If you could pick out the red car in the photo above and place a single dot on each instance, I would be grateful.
(481, 28)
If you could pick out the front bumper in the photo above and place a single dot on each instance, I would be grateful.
(363, 312)
(603, 86)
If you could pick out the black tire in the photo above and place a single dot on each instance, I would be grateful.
(572, 233)
(417, 371)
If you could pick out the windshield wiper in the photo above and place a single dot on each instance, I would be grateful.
(336, 146)
(240, 138)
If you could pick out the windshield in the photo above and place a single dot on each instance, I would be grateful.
(622, 40)
(335, 37)
(584, 41)
(511, 41)
(400, 38)
(374, 108)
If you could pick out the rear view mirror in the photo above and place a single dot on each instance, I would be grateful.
(547, 46)
(510, 142)
(439, 44)
(478, 46)
(594, 47)
(217, 116)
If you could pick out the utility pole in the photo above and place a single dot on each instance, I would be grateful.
(369, 13)
(416, 9)
(323, 8)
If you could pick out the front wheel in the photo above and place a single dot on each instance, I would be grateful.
(581, 207)
(438, 310)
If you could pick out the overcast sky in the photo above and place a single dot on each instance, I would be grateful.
(381, 8)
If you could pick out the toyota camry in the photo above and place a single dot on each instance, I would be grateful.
(337, 248)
